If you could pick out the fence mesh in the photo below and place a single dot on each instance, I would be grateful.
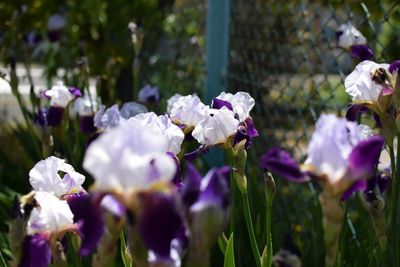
(286, 56)
(284, 53)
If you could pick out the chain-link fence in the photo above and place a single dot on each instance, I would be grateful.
(285, 54)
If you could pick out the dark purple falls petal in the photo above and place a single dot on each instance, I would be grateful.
(214, 188)
(246, 131)
(364, 157)
(219, 103)
(280, 162)
(55, 115)
(159, 222)
(36, 251)
(354, 110)
(191, 185)
(40, 117)
(359, 185)
(88, 216)
(86, 124)
(76, 92)
(362, 52)
(394, 66)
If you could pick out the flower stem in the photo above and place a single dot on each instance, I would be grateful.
(395, 204)
(268, 224)
(250, 229)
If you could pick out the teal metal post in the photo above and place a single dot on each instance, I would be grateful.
(217, 58)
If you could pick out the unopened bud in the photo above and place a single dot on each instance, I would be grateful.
(270, 187)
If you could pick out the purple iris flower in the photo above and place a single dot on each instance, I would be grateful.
(241, 104)
(339, 155)
(207, 203)
(149, 94)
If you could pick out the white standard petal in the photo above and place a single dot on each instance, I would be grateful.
(52, 214)
(129, 156)
(242, 103)
(187, 110)
(349, 36)
(359, 84)
(171, 101)
(45, 176)
(59, 95)
(216, 128)
(331, 145)
(164, 125)
(83, 106)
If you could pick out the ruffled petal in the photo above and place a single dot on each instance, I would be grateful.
(364, 157)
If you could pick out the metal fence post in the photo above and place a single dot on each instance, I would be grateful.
(217, 57)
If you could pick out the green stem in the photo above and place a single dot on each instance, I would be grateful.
(268, 224)
(250, 229)
(395, 206)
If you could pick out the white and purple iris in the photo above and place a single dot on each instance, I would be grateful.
(84, 107)
(187, 111)
(348, 37)
(361, 84)
(228, 118)
(163, 125)
(129, 156)
(60, 96)
(45, 176)
(48, 220)
(339, 155)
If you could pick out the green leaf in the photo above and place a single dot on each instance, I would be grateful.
(222, 243)
(125, 254)
(266, 258)
(229, 254)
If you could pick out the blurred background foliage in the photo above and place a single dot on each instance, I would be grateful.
(284, 55)
(94, 43)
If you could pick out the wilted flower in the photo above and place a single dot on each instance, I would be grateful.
(106, 119)
(163, 125)
(149, 94)
(186, 110)
(338, 154)
(45, 176)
